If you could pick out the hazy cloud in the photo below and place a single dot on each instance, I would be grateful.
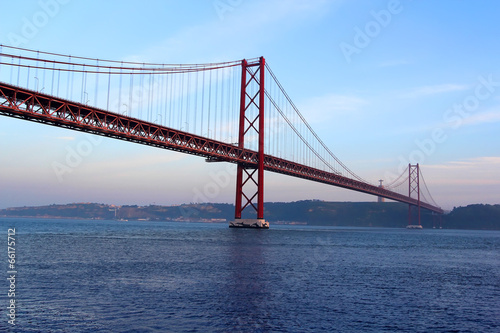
(472, 171)
(322, 108)
(66, 138)
(482, 118)
(434, 90)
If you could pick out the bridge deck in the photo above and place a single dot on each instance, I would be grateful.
(34, 106)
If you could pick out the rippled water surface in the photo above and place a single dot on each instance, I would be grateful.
(109, 276)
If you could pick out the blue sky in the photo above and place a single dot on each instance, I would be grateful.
(383, 83)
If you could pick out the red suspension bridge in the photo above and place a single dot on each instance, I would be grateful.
(235, 112)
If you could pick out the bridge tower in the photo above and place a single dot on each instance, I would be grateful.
(250, 178)
(414, 189)
(381, 199)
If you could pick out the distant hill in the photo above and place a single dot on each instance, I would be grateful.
(312, 212)
(475, 217)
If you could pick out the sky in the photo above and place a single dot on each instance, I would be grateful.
(383, 83)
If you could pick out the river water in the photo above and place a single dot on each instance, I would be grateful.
(110, 276)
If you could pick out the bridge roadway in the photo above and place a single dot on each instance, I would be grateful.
(34, 106)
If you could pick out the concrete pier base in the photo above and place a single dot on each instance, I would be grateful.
(249, 223)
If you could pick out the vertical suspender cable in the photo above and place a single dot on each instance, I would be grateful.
(209, 100)
(141, 93)
(11, 69)
(120, 88)
(18, 72)
(68, 79)
(196, 103)
(202, 102)
(109, 88)
(71, 86)
(148, 111)
(181, 96)
(188, 100)
(131, 95)
(156, 98)
(96, 92)
(175, 101)
(216, 121)
(53, 78)
(222, 120)
(82, 90)
(58, 80)
(168, 92)
(28, 77)
(161, 97)
(234, 119)
(44, 72)
(86, 100)
(170, 122)
(152, 83)
(36, 71)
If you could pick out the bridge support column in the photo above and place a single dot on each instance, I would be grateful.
(250, 174)
(414, 188)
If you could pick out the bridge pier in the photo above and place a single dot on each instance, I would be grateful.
(249, 223)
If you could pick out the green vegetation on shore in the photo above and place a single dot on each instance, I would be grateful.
(311, 212)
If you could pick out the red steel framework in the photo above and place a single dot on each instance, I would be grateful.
(245, 176)
(414, 188)
(34, 106)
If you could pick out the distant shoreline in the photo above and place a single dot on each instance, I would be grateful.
(134, 220)
(310, 212)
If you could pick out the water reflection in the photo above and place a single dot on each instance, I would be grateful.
(246, 291)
